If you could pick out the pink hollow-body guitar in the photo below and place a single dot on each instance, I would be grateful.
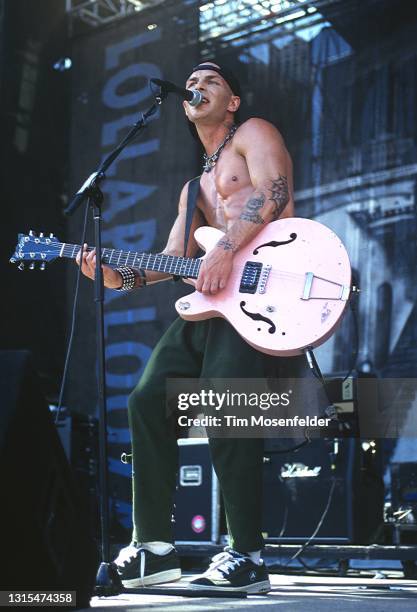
(288, 288)
(287, 291)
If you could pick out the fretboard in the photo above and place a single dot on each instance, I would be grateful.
(178, 266)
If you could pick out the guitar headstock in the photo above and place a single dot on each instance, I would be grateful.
(31, 248)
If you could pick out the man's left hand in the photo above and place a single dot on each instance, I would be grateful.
(215, 271)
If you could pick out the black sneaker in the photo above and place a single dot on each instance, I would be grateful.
(233, 571)
(139, 567)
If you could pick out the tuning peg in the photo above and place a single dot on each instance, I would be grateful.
(21, 266)
(40, 234)
(32, 233)
(42, 266)
(51, 235)
(32, 265)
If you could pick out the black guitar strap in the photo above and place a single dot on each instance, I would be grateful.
(193, 189)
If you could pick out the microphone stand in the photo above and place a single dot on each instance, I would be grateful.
(107, 581)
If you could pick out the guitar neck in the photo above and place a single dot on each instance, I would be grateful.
(178, 266)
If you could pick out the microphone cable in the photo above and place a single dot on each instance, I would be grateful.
(313, 535)
(73, 319)
(355, 352)
(319, 524)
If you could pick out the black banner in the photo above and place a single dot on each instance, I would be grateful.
(110, 91)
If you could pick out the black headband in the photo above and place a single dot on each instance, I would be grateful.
(227, 75)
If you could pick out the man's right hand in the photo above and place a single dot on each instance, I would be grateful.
(111, 277)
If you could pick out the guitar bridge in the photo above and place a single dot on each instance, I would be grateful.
(264, 277)
(250, 277)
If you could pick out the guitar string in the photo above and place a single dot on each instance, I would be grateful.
(68, 250)
(184, 262)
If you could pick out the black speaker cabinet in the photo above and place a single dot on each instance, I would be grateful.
(44, 532)
(197, 500)
(298, 485)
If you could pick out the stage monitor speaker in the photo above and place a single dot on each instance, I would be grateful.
(298, 487)
(44, 533)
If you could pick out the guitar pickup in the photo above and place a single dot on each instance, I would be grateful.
(250, 277)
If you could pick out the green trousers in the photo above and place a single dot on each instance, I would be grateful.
(207, 349)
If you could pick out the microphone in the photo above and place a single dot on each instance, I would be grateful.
(193, 97)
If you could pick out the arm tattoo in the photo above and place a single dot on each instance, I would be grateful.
(227, 244)
(250, 212)
(279, 195)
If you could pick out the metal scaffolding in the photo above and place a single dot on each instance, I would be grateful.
(231, 19)
(220, 20)
(96, 13)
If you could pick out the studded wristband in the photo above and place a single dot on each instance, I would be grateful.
(129, 278)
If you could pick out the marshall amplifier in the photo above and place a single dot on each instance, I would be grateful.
(197, 500)
(342, 474)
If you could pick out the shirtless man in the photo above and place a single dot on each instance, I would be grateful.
(246, 183)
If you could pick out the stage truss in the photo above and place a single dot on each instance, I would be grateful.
(95, 13)
(220, 21)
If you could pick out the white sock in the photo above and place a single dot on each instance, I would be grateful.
(158, 548)
(255, 556)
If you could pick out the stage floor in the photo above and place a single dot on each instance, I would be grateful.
(289, 594)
